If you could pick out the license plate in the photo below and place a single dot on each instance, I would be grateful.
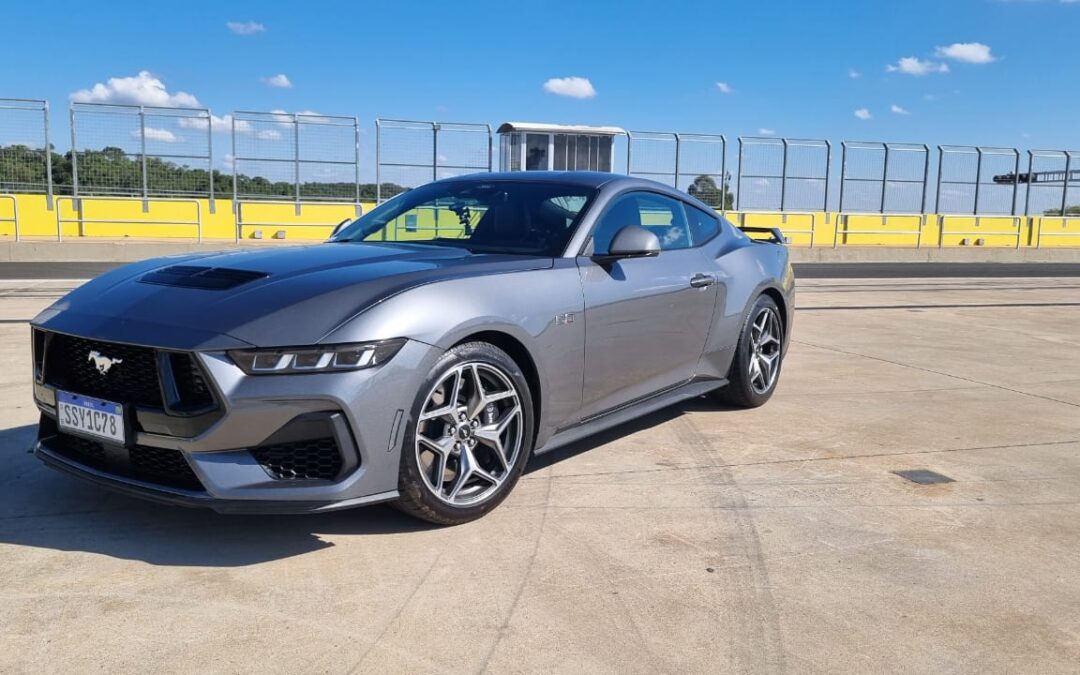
(90, 416)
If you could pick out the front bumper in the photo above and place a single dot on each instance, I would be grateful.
(369, 409)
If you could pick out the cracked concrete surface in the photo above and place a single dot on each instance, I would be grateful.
(698, 539)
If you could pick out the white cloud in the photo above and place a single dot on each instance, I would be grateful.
(245, 27)
(574, 87)
(724, 88)
(853, 74)
(141, 89)
(285, 118)
(279, 81)
(155, 134)
(929, 97)
(895, 109)
(268, 135)
(222, 125)
(766, 132)
(968, 52)
(913, 65)
(863, 114)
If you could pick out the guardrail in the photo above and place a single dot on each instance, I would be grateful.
(1018, 221)
(241, 223)
(78, 204)
(783, 222)
(1039, 234)
(843, 226)
(14, 219)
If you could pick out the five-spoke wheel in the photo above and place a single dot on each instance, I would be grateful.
(470, 437)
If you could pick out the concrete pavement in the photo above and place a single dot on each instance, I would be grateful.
(699, 539)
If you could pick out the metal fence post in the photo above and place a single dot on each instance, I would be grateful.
(1064, 185)
(435, 152)
(48, 162)
(142, 152)
(738, 194)
(235, 203)
(74, 179)
(356, 161)
(491, 147)
(783, 176)
(296, 158)
(978, 181)
(884, 178)
(843, 173)
(210, 158)
(678, 148)
(828, 179)
(1027, 192)
(378, 161)
(723, 175)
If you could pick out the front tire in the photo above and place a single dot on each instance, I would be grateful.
(755, 369)
(469, 436)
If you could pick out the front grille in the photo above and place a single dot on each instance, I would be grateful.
(160, 466)
(134, 379)
(314, 459)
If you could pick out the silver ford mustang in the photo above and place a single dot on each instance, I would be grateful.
(422, 355)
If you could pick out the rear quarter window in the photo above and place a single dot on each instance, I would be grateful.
(703, 226)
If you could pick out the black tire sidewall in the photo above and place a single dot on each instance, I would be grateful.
(739, 390)
(416, 497)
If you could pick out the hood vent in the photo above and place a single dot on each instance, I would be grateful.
(208, 278)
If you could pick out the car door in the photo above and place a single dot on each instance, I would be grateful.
(646, 319)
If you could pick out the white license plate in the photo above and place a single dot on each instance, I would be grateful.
(90, 416)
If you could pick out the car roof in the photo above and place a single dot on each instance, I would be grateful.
(590, 179)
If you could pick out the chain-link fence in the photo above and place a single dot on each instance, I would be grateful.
(141, 151)
(25, 152)
(783, 174)
(1051, 184)
(296, 157)
(409, 153)
(883, 177)
(965, 181)
(695, 163)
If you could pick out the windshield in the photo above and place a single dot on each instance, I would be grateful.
(494, 216)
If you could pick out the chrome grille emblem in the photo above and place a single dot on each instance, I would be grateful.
(103, 363)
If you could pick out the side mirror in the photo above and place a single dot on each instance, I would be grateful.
(632, 241)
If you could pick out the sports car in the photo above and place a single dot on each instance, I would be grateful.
(422, 355)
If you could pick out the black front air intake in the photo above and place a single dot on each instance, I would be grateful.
(207, 278)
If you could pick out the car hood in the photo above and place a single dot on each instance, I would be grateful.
(297, 296)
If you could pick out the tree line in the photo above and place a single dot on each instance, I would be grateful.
(110, 169)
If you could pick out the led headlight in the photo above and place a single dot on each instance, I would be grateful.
(318, 359)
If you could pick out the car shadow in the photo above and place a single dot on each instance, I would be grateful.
(42, 508)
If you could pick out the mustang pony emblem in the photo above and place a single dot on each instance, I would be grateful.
(103, 363)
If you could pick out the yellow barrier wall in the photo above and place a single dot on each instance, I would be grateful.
(115, 218)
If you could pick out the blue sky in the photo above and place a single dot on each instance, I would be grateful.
(786, 67)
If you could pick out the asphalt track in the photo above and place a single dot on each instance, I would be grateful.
(88, 270)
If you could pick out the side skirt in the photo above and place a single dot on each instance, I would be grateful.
(623, 414)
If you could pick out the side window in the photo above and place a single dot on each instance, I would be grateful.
(662, 215)
(703, 226)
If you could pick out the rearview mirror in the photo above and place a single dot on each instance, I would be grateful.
(632, 241)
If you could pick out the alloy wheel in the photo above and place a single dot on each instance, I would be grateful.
(764, 362)
(469, 433)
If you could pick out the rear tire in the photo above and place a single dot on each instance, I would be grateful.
(755, 369)
(469, 436)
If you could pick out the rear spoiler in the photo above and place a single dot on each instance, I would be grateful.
(777, 236)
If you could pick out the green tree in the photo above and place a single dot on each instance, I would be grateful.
(705, 188)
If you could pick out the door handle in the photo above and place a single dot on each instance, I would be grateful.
(702, 280)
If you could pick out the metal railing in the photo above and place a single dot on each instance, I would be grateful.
(77, 205)
(241, 223)
(14, 219)
(417, 151)
(1016, 232)
(1039, 233)
(844, 229)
